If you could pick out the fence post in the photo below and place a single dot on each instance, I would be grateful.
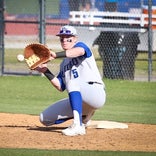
(150, 40)
(1, 37)
(42, 21)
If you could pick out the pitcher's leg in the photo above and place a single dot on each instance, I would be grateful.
(93, 94)
(56, 113)
(94, 98)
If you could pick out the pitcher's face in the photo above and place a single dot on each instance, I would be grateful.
(67, 42)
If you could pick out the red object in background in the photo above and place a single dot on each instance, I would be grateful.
(145, 11)
(32, 28)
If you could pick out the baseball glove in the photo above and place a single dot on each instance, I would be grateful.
(36, 54)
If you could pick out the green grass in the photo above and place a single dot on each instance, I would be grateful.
(127, 101)
(37, 152)
(31, 7)
(28, 95)
(130, 101)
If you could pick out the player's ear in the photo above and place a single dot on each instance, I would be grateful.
(75, 38)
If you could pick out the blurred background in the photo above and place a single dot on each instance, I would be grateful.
(121, 34)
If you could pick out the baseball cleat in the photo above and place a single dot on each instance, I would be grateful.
(74, 130)
(87, 124)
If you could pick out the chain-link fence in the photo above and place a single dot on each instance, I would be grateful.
(121, 33)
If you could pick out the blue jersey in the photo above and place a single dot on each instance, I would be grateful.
(81, 69)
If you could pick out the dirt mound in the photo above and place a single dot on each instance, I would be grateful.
(25, 131)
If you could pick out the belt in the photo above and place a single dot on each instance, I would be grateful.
(90, 82)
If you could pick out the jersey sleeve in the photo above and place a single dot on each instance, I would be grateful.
(88, 53)
(63, 87)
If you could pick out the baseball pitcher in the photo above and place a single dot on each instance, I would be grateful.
(80, 77)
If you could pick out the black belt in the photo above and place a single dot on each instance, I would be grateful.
(90, 82)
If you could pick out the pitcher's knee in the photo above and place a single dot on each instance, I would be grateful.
(44, 121)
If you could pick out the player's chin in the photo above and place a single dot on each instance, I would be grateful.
(65, 47)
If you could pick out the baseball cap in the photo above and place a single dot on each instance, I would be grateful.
(67, 30)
